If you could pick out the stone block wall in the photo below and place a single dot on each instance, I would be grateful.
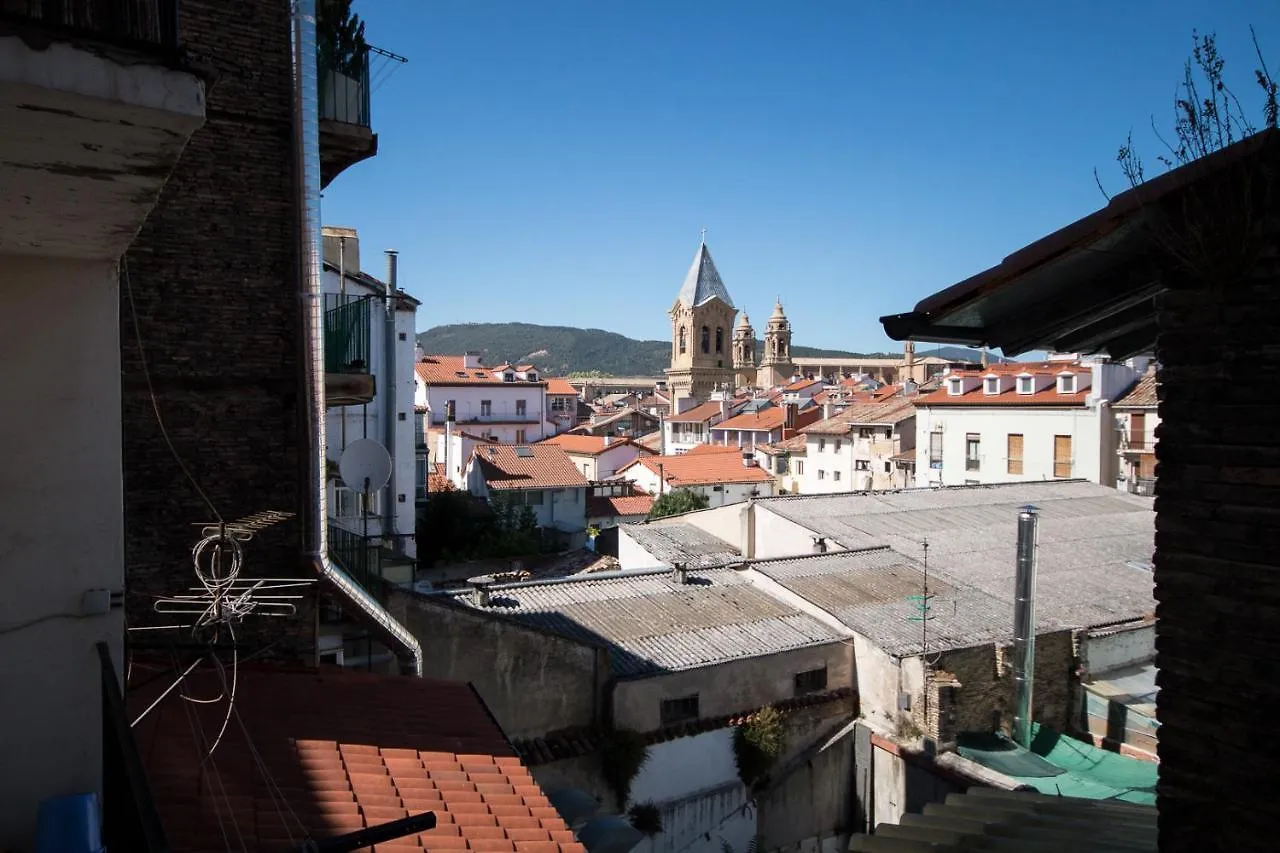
(1217, 559)
(212, 279)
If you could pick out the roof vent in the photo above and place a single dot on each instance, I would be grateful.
(680, 573)
(819, 544)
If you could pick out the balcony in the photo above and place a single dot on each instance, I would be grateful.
(346, 136)
(348, 347)
(96, 109)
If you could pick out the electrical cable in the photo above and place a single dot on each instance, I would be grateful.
(20, 626)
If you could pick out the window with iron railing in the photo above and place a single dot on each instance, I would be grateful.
(145, 25)
(344, 88)
(347, 333)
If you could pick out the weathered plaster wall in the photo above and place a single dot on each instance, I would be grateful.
(534, 682)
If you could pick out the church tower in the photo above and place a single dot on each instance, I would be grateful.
(776, 367)
(744, 353)
(701, 325)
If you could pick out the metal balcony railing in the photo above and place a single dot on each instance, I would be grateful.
(347, 330)
(130, 820)
(344, 89)
(1142, 486)
(147, 25)
(359, 556)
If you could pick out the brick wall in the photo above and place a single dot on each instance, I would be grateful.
(212, 275)
(1217, 560)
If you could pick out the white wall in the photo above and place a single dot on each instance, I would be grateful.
(776, 536)
(632, 555)
(1117, 649)
(994, 424)
(879, 682)
(62, 531)
(602, 466)
(840, 468)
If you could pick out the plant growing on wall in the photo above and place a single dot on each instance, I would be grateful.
(757, 745)
(646, 819)
(678, 501)
(340, 43)
(623, 754)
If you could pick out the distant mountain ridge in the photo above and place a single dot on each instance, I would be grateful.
(559, 350)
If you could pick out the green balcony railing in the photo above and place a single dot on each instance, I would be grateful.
(344, 89)
(359, 556)
(348, 323)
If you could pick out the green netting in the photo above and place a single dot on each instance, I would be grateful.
(1078, 769)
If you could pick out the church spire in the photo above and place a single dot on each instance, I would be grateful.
(702, 283)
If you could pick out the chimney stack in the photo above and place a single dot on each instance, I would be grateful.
(819, 544)
(679, 573)
(482, 592)
(1024, 626)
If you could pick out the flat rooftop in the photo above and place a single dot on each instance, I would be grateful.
(676, 542)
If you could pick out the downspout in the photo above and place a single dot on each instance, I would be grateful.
(390, 530)
(1024, 626)
(306, 140)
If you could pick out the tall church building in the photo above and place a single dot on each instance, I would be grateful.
(776, 366)
(701, 333)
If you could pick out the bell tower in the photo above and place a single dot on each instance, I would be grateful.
(776, 367)
(701, 326)
(744, 352)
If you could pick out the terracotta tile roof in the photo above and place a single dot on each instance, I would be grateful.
(448, 370)
(702, 468)
(764, 420)
(616, 507)
(614, 417)
(1141, 395)
(575, 742)
(801, 384)
(651, 441)
(527, 466)
(438, 479)
(340, 751)
(794, 445)
(714, 448)
(704, 412)
(1009, 397)
(558, 386)
(891, 410)
(585, 445)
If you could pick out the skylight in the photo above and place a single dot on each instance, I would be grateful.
(524, 452)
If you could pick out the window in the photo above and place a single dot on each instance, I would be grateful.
(992, 385)
(822, 444)
(683, 341)
(719, 340)
(822, 475)
(557, 404)
(1138, 431)
(1062, 456)
(401, 416)
(486, 408)
(888, 432)
(1025, 385)
(532, 377)
(1067, 384)
(508, 377)
(864, 432)
(888, 467)
(1015, 453)
(972, 452)
(935, 449)
(678, 710)
(836, 449)
(861, 465)
(522, 406)
(347, 502)
(835, 475)
(800, 466)
(533, 497)
(403, 336)
(520, 439)
(955, 387)
(811, 681)
(706, 339)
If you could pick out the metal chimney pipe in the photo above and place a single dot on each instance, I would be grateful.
(1024, 625)
(315, 523)
(387, 387)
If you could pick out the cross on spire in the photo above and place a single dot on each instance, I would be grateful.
(704, 236)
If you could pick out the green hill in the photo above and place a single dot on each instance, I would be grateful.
(559, 350)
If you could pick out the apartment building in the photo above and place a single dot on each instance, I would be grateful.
(1022, 421)
(723, 475)
(1136, 420)
(539, 476)
(369, 353)
(760, 426)
(857, 449)
(562, 405)
(598, 457)
(687, 429)
(504, 403)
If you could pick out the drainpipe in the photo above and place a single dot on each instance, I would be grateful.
(315, 522)
(1024, 626)
(390, 529)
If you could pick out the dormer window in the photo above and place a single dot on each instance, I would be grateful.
(1067, 383)
(533, 377)
(955, 387)
(991, 385)
(1026, 385)
(508, 377)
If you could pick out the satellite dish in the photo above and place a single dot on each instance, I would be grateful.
(365, 459)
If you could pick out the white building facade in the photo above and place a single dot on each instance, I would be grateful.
(362, 299)
(505, 404)
(1015, 423)
(854, 451)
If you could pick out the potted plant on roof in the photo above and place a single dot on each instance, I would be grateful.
(342, 56)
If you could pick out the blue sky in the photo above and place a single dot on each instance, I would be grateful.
(553, 161)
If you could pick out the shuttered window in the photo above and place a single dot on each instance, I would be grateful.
(1137, 431)
(1015, 453)
(1062, 456)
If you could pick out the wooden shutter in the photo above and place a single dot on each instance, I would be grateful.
(1137, 431)
(1062, 456)
(1015, 453)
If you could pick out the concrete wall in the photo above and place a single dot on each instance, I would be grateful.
(776, 536)
(729, 493)
(879, 682)
(815, 805)
(534, 682)
(730, 687)
(1102, 652)
(1093, 453)
(62, 531)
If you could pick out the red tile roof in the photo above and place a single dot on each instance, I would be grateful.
(704, 412)
(794, 445)
(704, 468)
(561, 387)
(763, 420)
(438, 479)
(527, 466)
(977, 396)
(1143, 394)
(714, 448)
(448, 370)
(318, 753)
(890, 410)
(603, 506)
(587, 445)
